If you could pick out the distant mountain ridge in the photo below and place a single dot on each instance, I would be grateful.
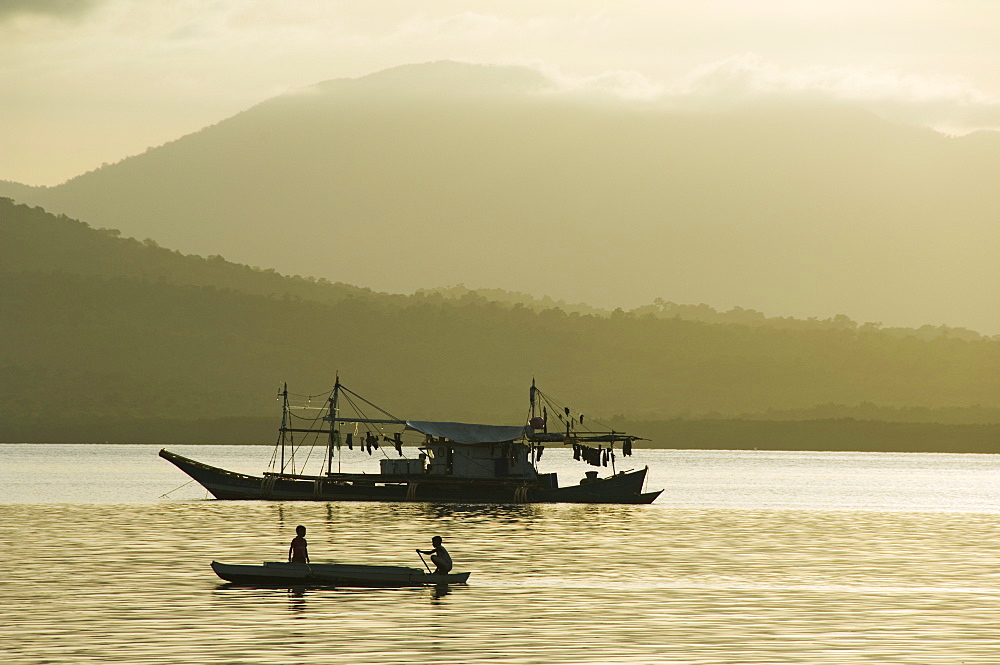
(447, 173)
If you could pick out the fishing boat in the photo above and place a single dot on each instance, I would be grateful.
(455, 462)
(282, 574)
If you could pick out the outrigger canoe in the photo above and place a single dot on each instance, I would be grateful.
(280, 573)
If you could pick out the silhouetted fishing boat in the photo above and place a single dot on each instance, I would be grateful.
(282, 574)
(457, 462)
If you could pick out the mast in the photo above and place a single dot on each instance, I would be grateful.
(284, 424)
(531, 394)
(531, 423)
(334, 427)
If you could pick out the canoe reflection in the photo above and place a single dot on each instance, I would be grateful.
(435, 592)
(439, 591)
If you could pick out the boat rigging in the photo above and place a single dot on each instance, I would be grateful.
(458, 462)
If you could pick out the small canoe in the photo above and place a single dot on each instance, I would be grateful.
(280, 573)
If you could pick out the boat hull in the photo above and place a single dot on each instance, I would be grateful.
(624, 487)
(281, 574)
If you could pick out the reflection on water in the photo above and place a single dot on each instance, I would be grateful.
(732, 577)
(439, 591)
(492, 511)
(566, 584)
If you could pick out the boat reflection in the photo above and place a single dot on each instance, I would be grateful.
(498, 511)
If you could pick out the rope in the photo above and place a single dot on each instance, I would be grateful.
(560, 410)
(175, 489)
(311, 440)
(368, 426)
(304, 441)
(374, 406)
(309, 397)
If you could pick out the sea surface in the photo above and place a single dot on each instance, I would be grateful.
(746, 557)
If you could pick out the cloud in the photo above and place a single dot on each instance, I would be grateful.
(946, 104)
(63, 9)
(621, 84)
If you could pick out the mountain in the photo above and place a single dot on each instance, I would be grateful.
(445, 173)
(105, 337)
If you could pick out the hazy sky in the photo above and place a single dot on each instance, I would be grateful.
(89, 81)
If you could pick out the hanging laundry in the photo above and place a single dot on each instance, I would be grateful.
(539, 456)
(627, 447)
(398, 441)
(589, 455)
(350, 441)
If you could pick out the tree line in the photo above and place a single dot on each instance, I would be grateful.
(99, 328)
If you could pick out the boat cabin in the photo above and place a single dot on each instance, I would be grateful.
(464, 450)
(494, 460)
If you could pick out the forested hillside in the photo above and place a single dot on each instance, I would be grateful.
(100, 329)
(35, 241)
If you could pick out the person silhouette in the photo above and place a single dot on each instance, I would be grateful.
(439, 557)
(298, 551)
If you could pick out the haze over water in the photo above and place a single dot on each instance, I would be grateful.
(747, 557)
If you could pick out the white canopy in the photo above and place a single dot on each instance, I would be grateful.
(468, 433)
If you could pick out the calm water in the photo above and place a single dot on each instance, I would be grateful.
(747, 557)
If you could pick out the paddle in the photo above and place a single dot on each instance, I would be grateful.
(425, 563)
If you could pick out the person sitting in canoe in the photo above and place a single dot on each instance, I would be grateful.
(298, 551)
(439, 557)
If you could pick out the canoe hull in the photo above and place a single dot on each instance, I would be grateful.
(281, 574)
(622, 488)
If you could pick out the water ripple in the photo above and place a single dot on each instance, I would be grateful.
(711, 583)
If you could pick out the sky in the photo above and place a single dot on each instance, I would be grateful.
(88, 82)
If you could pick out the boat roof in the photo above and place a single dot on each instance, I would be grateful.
(468, 433)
